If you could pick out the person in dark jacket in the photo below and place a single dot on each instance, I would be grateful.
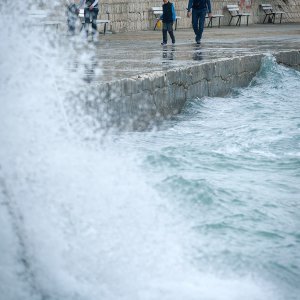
(168, 17)
(199, 10)
(72, 15)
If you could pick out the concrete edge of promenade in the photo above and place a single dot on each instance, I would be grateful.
(138, 102)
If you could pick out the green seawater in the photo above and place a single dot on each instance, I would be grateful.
(231, 167)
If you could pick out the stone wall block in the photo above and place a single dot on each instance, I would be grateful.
(197, 73)
(161, 99)
(127, 86)
(218, 87)
(171, 76)
(209, 70)
(103, 92)
(115, 88)
(291, 59)
(224, 68)
(177, 98)
(236, 66)
(160, 80)
(147, 84)
(185, 77)
(197, 90)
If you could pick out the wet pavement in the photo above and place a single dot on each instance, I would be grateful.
(129, 54)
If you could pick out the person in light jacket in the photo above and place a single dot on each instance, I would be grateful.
(90, 12)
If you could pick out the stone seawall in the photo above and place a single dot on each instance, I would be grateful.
(136, 103)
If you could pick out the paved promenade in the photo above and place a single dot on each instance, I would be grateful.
(132, 53)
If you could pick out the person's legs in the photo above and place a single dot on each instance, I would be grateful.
(195, 23)
(164, 33)
(72, 17)
(171, 33)
(87, 21)
(94, 14)
(201, 15)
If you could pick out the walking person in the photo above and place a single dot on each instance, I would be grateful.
(72, 16)
(199, 10)
(90, 12)
(168, 17)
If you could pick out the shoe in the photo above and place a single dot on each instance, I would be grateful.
(95, 38)
(198, 42)
(173, 43)
(163, 44)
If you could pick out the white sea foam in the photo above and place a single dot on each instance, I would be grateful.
(79, 219)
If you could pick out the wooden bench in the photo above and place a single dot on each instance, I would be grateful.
(81, 17)
(157, 12)
(234, 12)
(42, 18)
(269, 12)
(214, 17)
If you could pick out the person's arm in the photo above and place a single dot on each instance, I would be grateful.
(81, 4)
(189, 8)
(173, 12)
(161, 17)
(208, 7)
(190, 5)
(94, 4)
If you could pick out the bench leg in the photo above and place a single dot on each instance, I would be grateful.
(176, 24)
(274, 15)
(238, 21)
(247, 20)
(104, 31)
(280, 18)
(82, 25)
(209, 23)
(156, 24)
(265, 19)
(230, 21)
(219, 22)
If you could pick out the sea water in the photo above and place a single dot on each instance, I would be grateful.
(231, 167)
(204, 207)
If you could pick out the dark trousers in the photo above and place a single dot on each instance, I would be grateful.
(198, 20)
(72, 17)
(168, 27)
(88, 15)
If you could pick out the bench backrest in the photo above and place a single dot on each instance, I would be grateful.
(233, 9)
(267, 8)
(81, 13)
(157, 10)
(38, 13)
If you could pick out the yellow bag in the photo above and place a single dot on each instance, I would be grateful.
(159, 24)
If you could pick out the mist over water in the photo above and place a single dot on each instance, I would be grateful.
(206, 207)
